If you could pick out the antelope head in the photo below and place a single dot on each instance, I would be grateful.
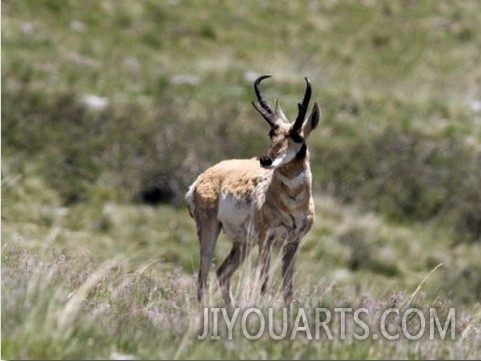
(288, 140)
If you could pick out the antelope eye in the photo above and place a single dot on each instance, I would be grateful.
(296, 137)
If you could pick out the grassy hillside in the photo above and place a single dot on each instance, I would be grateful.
(111, 108)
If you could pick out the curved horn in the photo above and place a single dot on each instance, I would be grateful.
(262, 107)
(302, 107)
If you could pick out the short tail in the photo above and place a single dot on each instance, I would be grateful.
(189, 198)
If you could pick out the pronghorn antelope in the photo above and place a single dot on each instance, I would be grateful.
(265, 202)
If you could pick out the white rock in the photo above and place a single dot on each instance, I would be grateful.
(95, 102)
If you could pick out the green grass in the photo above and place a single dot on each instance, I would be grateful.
(91, 270)
(119, 280)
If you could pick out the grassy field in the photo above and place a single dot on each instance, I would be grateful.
(111, 108)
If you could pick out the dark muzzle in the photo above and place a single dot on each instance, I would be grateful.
(266, 161)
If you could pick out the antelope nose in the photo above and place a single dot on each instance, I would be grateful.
(266, 161)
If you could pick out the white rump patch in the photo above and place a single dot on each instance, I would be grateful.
(189, 198)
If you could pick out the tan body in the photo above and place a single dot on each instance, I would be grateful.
(265, 202)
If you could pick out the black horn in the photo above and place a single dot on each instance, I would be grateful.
(262, 107)
(302, 107)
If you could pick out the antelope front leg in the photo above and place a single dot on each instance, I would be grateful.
(288, 258)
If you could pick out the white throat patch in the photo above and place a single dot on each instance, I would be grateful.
(294, 182)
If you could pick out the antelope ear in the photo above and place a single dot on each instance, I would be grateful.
(279, 113)
(313, 120)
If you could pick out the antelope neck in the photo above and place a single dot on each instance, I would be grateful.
(293, 174)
